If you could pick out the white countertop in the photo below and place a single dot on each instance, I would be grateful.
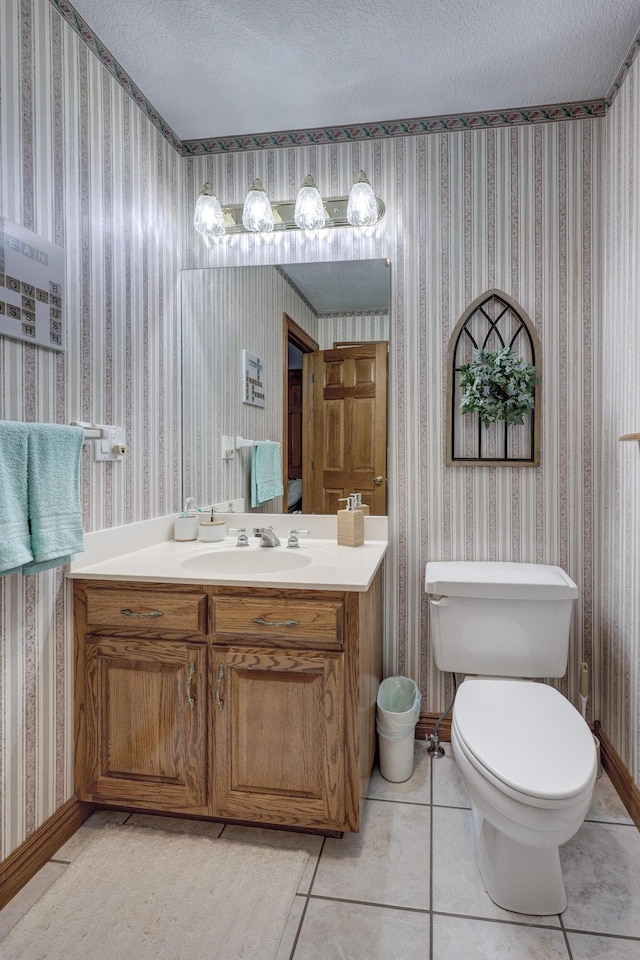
(319, 563)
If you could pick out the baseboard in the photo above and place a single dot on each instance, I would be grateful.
(24, 863)
(427, 722)
(620, 777)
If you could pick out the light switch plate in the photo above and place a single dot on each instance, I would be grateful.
(112, 444)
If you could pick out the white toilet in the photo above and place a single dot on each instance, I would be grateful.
(525, 754)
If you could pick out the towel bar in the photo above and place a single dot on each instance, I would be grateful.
(112, 444)
(229, 445)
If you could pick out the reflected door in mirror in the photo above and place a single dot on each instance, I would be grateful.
(346, 427)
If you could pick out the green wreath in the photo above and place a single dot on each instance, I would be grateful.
(498, 386)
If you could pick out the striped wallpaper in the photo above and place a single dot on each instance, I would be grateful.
(616, 612)
(81, 166)
(546, 212)
(351, 329)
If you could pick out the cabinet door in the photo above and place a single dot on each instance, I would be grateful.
(279, 736)
(146, 707)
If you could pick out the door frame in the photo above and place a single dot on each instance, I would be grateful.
(292, 333)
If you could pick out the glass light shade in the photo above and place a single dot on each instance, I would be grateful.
(362, 208)
(257, 215)
(309, 211)
(208, 218)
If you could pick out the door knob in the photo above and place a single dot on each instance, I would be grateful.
(377, 481)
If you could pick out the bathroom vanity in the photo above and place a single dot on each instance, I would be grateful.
(217, 697)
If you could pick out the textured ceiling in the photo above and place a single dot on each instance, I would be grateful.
(215, 68)
(352, 286)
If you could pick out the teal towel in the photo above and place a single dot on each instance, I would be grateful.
(15, 545)
(266, 472)
(54, 495)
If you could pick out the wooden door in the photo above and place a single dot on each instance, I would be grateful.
(146, 710)
(279, 737)
(346, 427)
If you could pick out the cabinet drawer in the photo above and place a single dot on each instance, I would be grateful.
(146, 612)
(317, 622)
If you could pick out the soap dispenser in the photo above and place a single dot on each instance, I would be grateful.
(359, 505)
(211, 529)
(350, 524)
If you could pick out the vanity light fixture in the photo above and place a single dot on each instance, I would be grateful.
(309, 210)
(208, 218)
(257, 215)
(362, 208)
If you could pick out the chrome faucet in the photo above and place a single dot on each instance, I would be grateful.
(267, 536)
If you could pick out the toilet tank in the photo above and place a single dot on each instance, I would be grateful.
(500, 619)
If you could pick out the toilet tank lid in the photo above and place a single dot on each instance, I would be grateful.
(497, 580)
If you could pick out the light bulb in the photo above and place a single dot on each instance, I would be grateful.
(362, 208)
(309, 210)
(257, 215)
(208, 218)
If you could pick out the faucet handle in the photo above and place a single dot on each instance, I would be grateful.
(293, 538)
(243, 539)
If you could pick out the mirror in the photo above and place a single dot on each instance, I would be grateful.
(269, 316)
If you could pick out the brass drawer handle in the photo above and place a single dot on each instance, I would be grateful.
(275, 623)
(220, 678)
(190, 698)
(151, 613)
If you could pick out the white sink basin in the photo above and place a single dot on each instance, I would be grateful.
(239, 560)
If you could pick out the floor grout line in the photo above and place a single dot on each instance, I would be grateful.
(307, 898)
(566, 938)
(431, 777)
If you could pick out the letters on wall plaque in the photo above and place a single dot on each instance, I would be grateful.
(31, 287)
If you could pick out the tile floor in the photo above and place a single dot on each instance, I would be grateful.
(407, 886)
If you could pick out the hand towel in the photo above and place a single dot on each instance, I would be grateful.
(15, 544)
(266, 472)
(54, 495)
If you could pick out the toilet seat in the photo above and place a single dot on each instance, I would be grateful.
(526, 738)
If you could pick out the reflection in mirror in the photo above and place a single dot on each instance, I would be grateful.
(314, 329)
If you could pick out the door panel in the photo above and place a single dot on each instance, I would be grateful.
(278, 754)
(146, 722)
(346, 426)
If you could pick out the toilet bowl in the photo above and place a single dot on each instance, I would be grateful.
(528, 761)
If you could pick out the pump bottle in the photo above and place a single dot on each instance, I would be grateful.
(350, 524)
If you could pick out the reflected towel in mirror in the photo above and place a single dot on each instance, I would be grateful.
(266, 472)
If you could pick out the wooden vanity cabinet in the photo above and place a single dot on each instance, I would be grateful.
(283, 726)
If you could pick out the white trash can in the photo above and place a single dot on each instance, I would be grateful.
(398, 709)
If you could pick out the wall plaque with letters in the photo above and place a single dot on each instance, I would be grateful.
(31, 287)
(253, 377)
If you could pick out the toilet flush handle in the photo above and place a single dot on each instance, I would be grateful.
(438, 601)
